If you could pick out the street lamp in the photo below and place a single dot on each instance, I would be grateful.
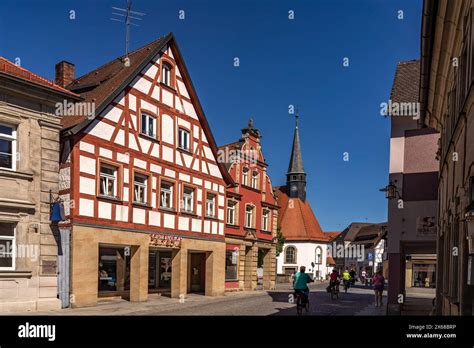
(391, 190)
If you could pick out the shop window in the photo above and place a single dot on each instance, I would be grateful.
(290, 255)
(148, 125)
(7, 246)
(166, 195)
(140, 189)
(7, 147)
(108, 181)
(231, 264)
(210, 205)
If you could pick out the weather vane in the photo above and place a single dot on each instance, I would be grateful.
(126, 15)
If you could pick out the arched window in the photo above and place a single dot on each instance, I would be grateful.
(290, 255)
(166, 74)
(319, 256)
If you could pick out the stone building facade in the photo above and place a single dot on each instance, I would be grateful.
(29, 166)
(447, 100)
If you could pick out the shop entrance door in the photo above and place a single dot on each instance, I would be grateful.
(114, 271)
(159, 270)
(197, 272)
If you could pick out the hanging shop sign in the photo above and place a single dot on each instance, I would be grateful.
(164, 240)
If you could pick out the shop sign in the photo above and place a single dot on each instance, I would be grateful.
(426, 225)
(164, 240)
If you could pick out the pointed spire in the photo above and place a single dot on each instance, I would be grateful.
(296, 176)
(296, 159)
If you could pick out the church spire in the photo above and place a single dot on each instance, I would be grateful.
(296, 176)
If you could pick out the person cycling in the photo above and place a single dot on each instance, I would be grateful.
(346, 277)
(300, 283)
(334, 279)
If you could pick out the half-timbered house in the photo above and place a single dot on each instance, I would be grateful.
(146, 192)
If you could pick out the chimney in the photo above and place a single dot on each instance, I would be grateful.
(64, 73)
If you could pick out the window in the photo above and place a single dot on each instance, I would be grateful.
(245, 177)
(249, 216)
(265, 219)
(231, 212)
(7, 147)
(108, 181)
(210, 205)
(231, 264)
(183, 139)
(140, 188)
(7, 246)
(255, 180)
(166, 74)
(188, 195)
(319, 256)
(472, 190)
(148, 125)
(290, 255)
(166, 195)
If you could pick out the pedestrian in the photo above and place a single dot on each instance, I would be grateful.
(378, 282)
(362, 277)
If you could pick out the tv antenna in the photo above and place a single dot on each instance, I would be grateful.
(126, 15)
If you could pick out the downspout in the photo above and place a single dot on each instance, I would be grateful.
(428, 24)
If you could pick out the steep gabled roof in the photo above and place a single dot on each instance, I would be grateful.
(406, 83)
(11, 69)
(105, 83)
(297, 220)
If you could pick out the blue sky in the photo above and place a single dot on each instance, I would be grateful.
(282, 62)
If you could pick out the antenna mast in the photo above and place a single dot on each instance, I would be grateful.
(127, 15)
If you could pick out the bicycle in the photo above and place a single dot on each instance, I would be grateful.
(335, 291)
(301, 303)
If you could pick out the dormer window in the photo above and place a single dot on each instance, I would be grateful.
(166, 74)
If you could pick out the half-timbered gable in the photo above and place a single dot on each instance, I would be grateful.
(146, 162)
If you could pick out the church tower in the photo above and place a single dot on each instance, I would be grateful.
(296, 176)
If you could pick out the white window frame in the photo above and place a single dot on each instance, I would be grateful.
(148, 118)
(108, 177)
(255, 180)
(319, 252)
(166, 74)
(245, 176)
(231, 207)
(13, 250)
(184, 139)
(13, 139)
(188, 200)
(168, 192)
(265, 219)
(249, 213)
(140, 185)
(210, 205)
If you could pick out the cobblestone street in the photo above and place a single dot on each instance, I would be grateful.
(358, 301)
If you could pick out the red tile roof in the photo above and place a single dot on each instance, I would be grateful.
(406, 83)
(100, 83)
(12, 69)
(297, 220)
